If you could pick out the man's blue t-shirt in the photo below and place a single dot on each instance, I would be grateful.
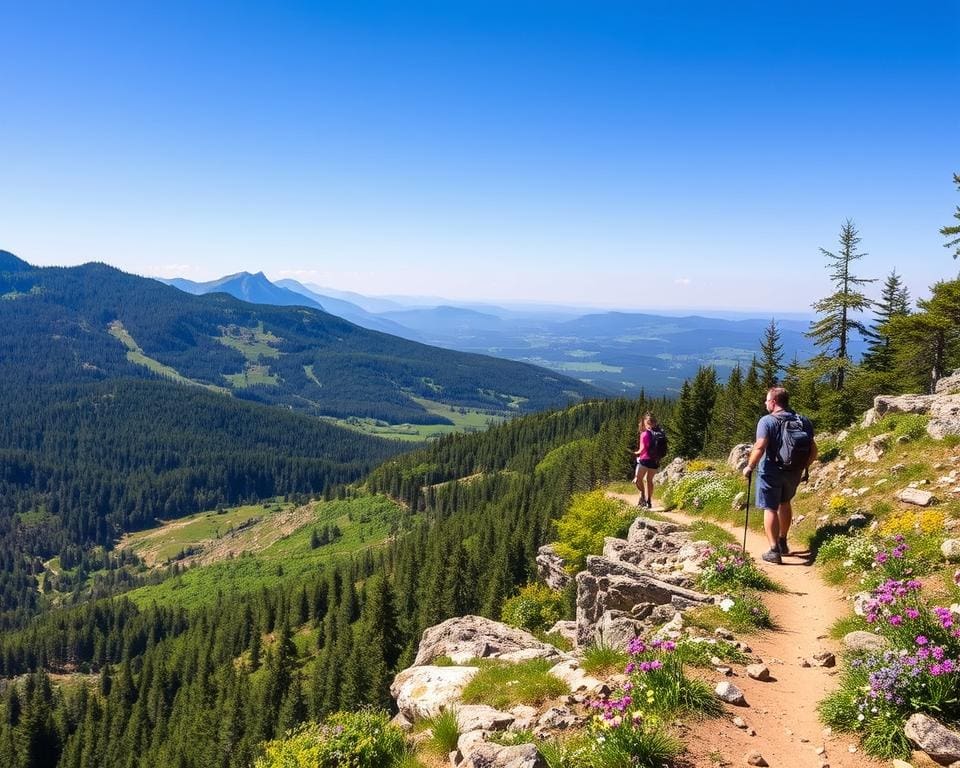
(769, 427)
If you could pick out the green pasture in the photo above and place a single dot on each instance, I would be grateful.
(252, 343)
(363, 522)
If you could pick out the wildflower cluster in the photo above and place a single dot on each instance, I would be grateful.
(728, 567)
(701, 489)
(920, 672)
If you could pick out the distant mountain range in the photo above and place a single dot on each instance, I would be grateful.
(94, 322)
(619, 352)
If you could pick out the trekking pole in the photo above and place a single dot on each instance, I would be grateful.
(746, 516)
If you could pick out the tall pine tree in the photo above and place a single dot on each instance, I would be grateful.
(771, 356)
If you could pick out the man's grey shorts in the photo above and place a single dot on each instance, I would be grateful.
(773, 489)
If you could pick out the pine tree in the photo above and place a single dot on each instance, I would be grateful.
(771, 356)
(894, 301)
(832, 331)
(724, 431)
(927, 343)
(953, 231)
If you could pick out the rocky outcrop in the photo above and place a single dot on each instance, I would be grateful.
(480, 717)
(943, 410)
(938, 741)
(614, 585)
(551, 568)
(474, 637)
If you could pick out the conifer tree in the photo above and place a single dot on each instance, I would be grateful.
(832, 331)
(724, 431)
(953, 232)
(894, 301)
(927, 343)
(751, 404)
(771, 356)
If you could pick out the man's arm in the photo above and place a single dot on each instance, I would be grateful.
(756, 453)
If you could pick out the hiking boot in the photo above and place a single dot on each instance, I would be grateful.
(772, 556)
(642, 503)
(782, 546)
(649, 503)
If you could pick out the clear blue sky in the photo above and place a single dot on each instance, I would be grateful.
(628, 154)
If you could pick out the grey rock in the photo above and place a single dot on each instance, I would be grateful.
(740, 722)
(425, 691)
(951, 549)
(824, 659)
(559, 719)
(671, 473)
(758, 672)
(610, 585)
(859, 641)
(566, 629)
(938, 741)
(860, 600)
(550, 568)
(739, 455)
(487, 755)
(476, 637)
(874, 450)
(573, 675)
(755, 758)
(480, 717)
(616, 629)
(916, 496)
(399, 721)
(728, 692)
(524, 717)
(739, 501)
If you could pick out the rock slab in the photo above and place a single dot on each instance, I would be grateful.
(487, 755)
(466, 637)
(934, 738)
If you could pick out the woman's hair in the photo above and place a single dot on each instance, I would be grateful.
(649, 418)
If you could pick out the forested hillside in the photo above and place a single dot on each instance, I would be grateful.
(204, 687)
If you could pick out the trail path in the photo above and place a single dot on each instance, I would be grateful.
(782, 712)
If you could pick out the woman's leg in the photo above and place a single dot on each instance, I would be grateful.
(649, 479)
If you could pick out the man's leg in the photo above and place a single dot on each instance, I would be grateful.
(784, 518)
(771, 526)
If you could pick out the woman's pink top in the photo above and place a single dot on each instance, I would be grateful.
(644, 454)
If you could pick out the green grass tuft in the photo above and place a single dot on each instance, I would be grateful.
(602, 660)
(502, 686)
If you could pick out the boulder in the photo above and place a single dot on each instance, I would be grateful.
(951, 549)
(426, 691)
(487, 755)
(874, 450)
(476, 637)
(916, 496)
(943, 410)
(758, 672)
(524, 717)
(860, 641)
(480, 717)
(938, 741)
(739, 455)
(944, 417)
(573, 675)
(550, 568)
(643, 529)
(672, 472)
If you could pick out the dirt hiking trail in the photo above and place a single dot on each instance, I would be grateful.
(781, 714)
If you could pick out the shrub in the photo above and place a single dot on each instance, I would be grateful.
(839, 506)
(600, 659)
(444, 732)
(535, 608)
(362, 739)
(702, 654)
(730, 568)
(910, 426)
(582, 528)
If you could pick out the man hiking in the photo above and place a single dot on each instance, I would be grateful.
(783, 451)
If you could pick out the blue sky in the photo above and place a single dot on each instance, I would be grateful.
(630, 154)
